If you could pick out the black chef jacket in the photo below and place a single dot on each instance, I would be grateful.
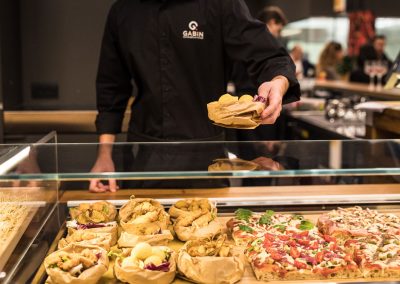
(173, 55)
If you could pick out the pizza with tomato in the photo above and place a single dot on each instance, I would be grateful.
(346, 243)
(301, 255)
(248, 226)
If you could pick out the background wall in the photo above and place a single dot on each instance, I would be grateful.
(60, 47)
(54, 45)
(10, 53)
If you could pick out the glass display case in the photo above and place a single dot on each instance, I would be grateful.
(26, 208)
(42, 180)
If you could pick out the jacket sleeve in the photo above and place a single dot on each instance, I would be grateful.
(249, 41)
(113, 83)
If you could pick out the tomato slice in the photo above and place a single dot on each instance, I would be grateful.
(350, 242)
(269, 237)
(276, 255)
(267, 243)
(348, 258)
(333, 246)
(314, 245)
(284, 237)
(304, 242)
(319, 257)
(329, 238)
(294, 252)
(300, 265)
(327, 271)
(303, 234)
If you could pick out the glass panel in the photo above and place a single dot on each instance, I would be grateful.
(208, 160)
(25, 204)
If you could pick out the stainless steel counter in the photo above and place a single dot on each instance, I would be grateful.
(351, 130)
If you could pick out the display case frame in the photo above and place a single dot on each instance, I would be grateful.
(367, 170)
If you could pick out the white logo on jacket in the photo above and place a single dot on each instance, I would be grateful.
(193, 32)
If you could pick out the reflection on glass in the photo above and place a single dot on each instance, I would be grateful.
(381, 68)
(370, 68)
(151, 161)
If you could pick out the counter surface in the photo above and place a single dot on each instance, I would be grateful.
(358, 88)
(282, 192)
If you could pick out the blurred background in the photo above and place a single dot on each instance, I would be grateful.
(49, 52)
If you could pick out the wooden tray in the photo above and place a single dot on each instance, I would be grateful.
(13, 238)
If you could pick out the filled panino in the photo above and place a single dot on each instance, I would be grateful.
(211, 261)
(146, 264)
(86, 237)
(191, 205)
(94, 213)
(231, 112)
(144, 220)
(195, 218)
(76, 264)
(93, 219)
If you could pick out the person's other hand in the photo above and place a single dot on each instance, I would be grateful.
(103, 165)
(273, 91)
(268, 164)
(28, 166)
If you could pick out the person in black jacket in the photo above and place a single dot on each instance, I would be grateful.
(370, 52)
(174, 57)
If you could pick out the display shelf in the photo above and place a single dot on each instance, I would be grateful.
(192, 160)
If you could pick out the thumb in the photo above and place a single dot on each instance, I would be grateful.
(113, 185)
(93, 184)
(264, 90)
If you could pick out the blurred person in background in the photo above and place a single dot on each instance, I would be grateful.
(329, 61)
(373, 51)
(304, 68)
(275, 20)
(379, 45)
(296, 53)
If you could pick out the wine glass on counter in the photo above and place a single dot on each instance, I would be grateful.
(381, 68)
(370, 70)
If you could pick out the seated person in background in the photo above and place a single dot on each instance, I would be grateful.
(373, 51)
(331, 57)
(304, 68)
(296, 53)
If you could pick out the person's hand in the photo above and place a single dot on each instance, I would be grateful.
(28, 166)
(103, 165)
(273, 91)
(268, 164)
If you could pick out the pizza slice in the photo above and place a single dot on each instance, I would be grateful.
(377, 255)
(364, 250)
(389, 256)
(386, 223)
(298, 255)
(344, 223)
(248, 226)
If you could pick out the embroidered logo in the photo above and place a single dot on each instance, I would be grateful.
(193, 32)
